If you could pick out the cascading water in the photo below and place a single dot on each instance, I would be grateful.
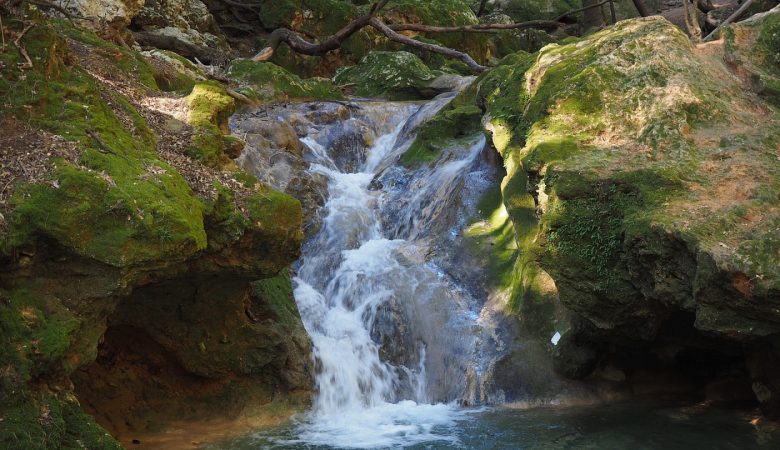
(350, 270)
(394, 336)
(404, 333)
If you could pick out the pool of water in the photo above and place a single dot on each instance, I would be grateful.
(632, 425)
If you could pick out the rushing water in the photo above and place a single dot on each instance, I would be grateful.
(398, 343)
(352, 269)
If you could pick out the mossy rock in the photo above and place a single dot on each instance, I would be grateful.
(134, 215)
(265, 81)
(613, 146)
(458, 121)
(390, 75)
(753, 44)
(106, 218)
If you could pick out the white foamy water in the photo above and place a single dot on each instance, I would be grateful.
(353, 279)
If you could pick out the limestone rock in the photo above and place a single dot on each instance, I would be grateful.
(188, 21)
(117, 13)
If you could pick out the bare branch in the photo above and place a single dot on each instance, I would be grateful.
(641, 8)
(18, 43)
(448, 52)
(730, 19)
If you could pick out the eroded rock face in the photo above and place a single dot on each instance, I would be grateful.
(120, 242)
(642, 180)
(629, 234)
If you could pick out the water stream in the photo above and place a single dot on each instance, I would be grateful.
(399, 343)
(351, 271)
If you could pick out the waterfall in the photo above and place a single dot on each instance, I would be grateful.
(394, 337)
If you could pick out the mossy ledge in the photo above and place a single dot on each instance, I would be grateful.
(107, 250)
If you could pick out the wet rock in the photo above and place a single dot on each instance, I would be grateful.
(763, 362)
(349, 142)
(574, 359)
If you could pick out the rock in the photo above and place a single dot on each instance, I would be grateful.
(390, 75)
(573, 359)
(763, 362)
(114, 13)
(640, 186)
(178, 25)
(181, 14)
(752, 45)
(131, 270)
(173, 72)
(265, 81)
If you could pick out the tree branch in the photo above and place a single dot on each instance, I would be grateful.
(448, 52)
(730, 19)
(186, 49)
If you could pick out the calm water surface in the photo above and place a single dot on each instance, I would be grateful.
(644, 425)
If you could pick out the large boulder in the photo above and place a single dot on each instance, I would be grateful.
(643, 182)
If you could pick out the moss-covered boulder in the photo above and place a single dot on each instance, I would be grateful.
(390, 75)
(458, 121)
(642, 184)
(265, 81)
(100, 206)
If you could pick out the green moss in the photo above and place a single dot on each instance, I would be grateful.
(271, 82)
(276, 295)
(453, 123)
(210, 105)
(391, 75)
(275, 213)
(128, 62)
(753, 44)
(603, 151)
(130, 210)
(48, 421)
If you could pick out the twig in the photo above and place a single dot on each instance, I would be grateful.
(17, 43)
(239, 96)
(730, 19)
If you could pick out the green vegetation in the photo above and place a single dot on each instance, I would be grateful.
(390, 75)
(268, 82)
(456, 122)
